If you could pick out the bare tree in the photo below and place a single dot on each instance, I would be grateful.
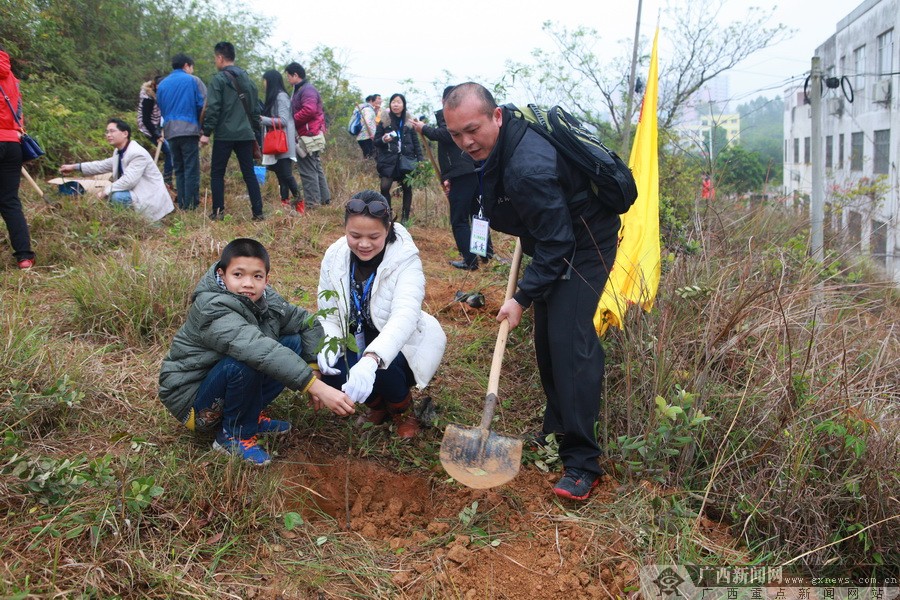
(594, 82)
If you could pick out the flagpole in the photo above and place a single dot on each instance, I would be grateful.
(625, 147)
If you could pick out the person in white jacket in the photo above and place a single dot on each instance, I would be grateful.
(136, 180)
(371, 288)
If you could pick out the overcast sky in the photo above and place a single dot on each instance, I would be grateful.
(386, 42)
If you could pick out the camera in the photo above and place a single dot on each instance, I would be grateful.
(392, 135)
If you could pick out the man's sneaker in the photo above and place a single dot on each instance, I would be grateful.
(26, 263)
(217, 215)
(274, 426)
(259, 217)
(576, 484)
(246, 449)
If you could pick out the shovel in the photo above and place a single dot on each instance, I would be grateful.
(476, 456)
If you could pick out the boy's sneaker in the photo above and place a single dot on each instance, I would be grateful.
(576, 484)
(246, 449)
(273, 426)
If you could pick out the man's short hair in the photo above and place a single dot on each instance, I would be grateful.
(464, 90)
(120, 125)
(180, 60)
(225, 50)
(243, 247)
(297, 69)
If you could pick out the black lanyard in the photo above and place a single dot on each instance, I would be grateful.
(359, 303)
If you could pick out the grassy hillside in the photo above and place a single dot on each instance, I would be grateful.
(751, 417)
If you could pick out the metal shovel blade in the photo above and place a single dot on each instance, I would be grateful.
(479, 458)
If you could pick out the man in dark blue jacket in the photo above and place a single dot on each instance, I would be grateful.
(180, 97)
(460, 185)
(530, 191)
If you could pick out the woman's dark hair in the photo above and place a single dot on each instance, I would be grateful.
(245, 247)
(402, 116)
(274, 85)
(386, 219)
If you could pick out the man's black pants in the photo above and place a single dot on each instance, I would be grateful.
(570, 358)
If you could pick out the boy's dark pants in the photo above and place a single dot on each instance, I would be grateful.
(237, 393)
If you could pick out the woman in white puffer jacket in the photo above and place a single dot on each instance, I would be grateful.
(374, 287)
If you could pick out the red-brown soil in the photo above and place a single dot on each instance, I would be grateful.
(539, 550)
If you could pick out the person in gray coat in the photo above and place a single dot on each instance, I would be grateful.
(277, 113)
(241, 346)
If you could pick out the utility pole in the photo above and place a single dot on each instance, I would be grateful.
(712, 152)
(817, 200)
(625, 146)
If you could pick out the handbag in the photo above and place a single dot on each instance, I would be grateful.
(30, 147)
(406, 165)
(275, 141)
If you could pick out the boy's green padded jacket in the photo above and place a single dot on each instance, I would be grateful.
(221, 323)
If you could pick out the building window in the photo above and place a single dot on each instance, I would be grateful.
(881, 156)
(841, 151)
(796, 150)
(806, 150)
(886, 52)
(856, 151)
(854, 228)
(859, 66)
(878, 242)
(829, 151)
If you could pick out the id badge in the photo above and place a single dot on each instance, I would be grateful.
(478, 241)
(360, 342)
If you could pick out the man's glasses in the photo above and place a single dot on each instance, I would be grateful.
(376, 208)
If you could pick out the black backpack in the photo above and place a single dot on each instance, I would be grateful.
(611, 179)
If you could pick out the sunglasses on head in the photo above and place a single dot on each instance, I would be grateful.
(376, 208)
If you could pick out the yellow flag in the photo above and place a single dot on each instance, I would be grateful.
(634, 277)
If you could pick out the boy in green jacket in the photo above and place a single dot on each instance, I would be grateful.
(241, 346)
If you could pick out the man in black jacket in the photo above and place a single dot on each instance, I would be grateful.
(460, 185)
(528, 190)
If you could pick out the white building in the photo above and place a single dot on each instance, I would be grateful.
(860, 129)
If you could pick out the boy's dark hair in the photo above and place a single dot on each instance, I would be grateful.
(121, 125)
(225, 50)
(180, 60)
(296, 68)
(245, 247)
(386, 219)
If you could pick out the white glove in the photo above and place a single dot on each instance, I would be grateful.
(327, 361)
(361, 379)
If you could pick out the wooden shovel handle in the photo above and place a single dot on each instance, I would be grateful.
(32, 182)
(490, 401)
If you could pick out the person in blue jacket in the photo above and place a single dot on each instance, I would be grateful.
(180, 97)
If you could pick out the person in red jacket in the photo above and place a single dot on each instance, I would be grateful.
(309, 119)
(11, 164)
